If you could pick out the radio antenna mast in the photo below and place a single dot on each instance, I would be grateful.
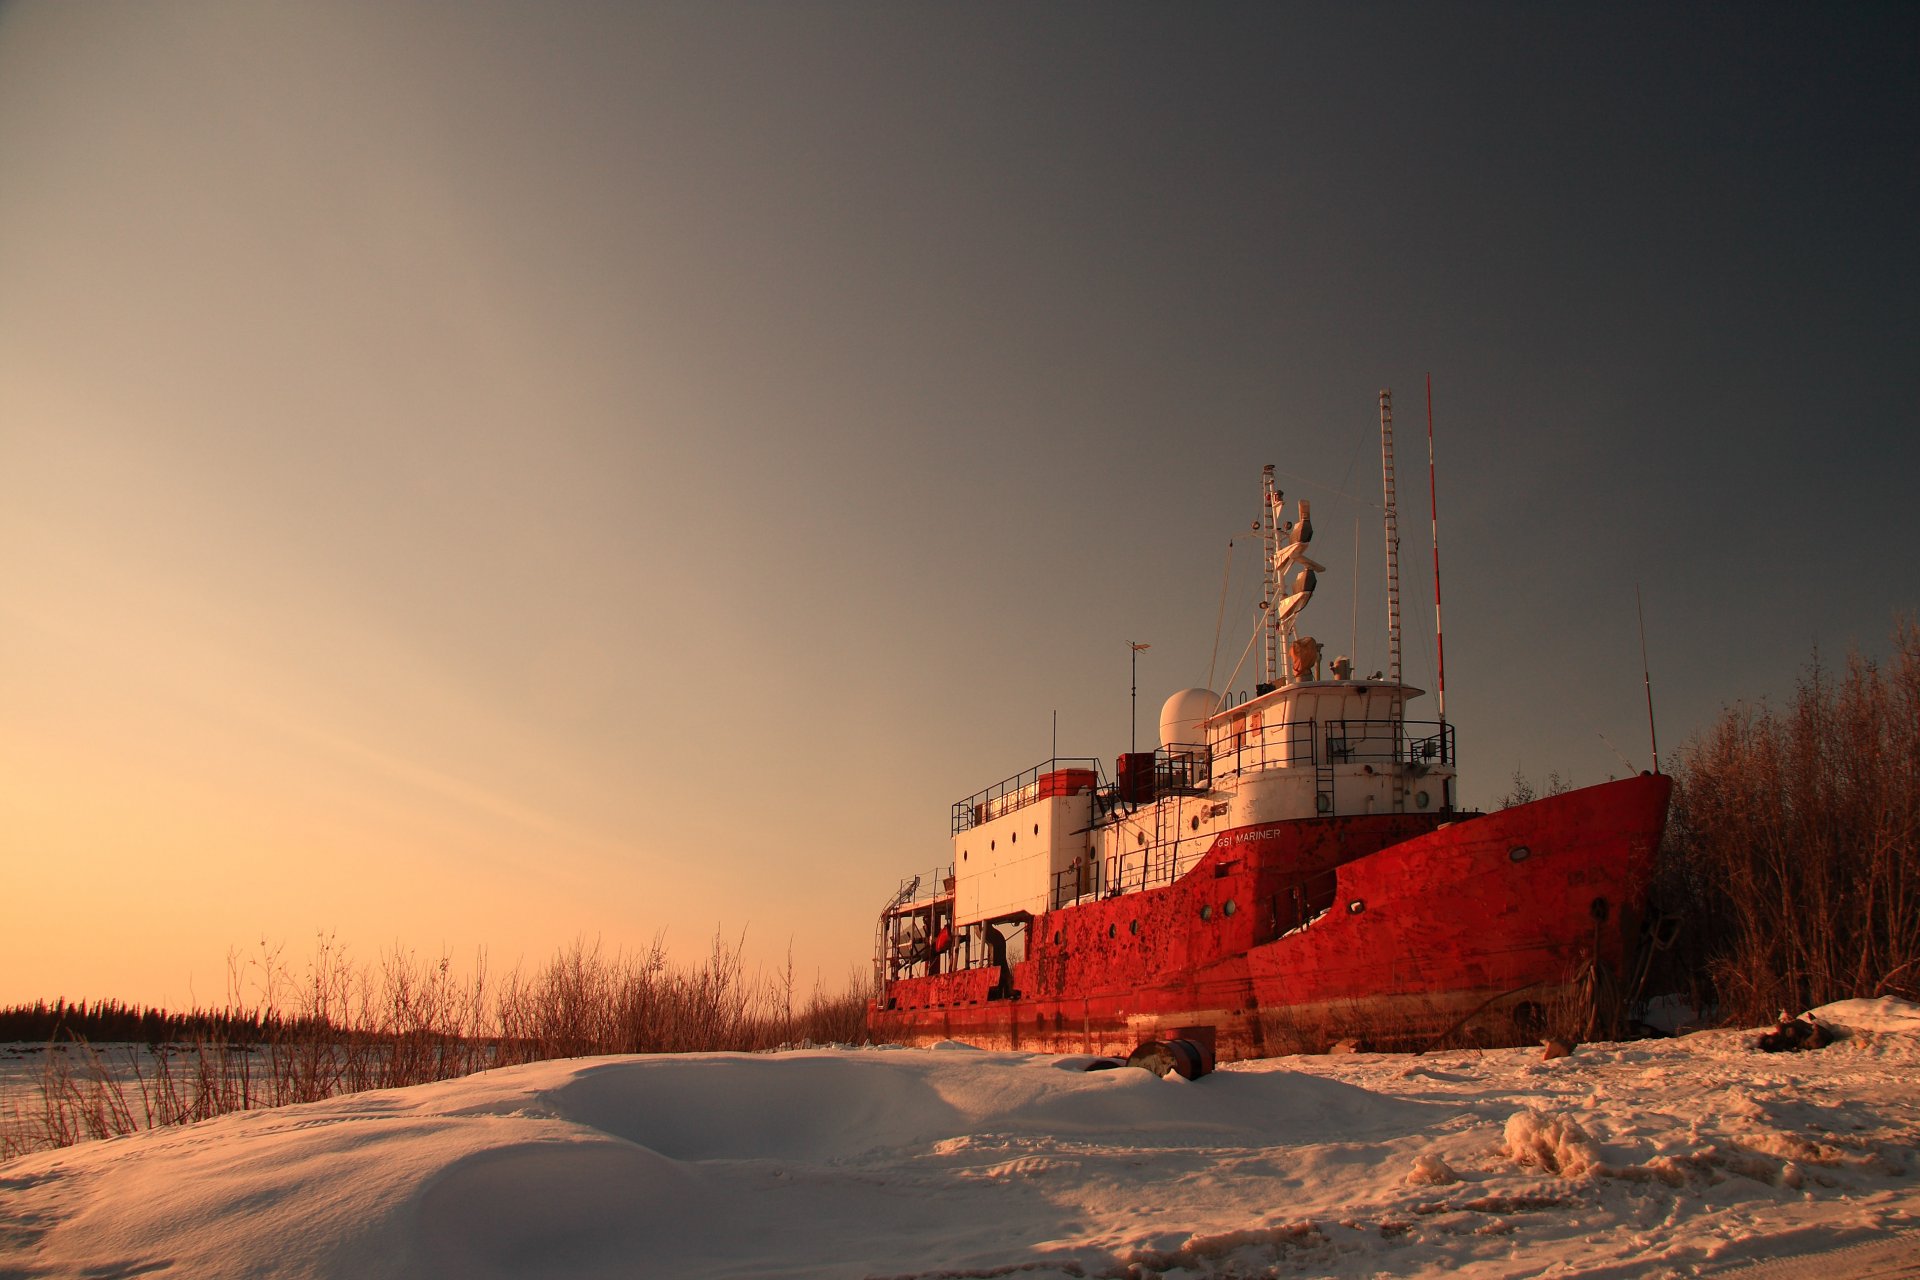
(1433, 501)
(1646, 676)
(1270, 499)
(1393, 537)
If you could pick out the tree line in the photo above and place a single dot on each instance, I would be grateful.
(104, 1021)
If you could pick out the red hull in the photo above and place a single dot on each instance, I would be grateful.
(1392, 929)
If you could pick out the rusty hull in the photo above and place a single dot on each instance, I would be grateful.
(1393, 931)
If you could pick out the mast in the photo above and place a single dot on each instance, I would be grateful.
(1646, 675)
(1433, 501)
(1133, 704)
(1270, 499)
(1287, 543)
(1393, 537)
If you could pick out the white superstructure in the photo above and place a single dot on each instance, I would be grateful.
(1301, 747)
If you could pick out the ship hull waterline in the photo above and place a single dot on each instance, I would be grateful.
(1393, 931)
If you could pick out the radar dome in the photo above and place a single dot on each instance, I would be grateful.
(1183, 720)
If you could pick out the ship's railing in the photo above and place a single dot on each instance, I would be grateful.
(919, 889)
(1156, 850)
(1186, 772)
(1081, 880)
(1431, 748)
(1157, 864)
(1266, 747)
(1422, 742)
(1334, 742)
(1060, 776)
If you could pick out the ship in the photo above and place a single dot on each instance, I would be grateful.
(1286, 872)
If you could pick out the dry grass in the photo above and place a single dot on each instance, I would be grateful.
(340, 1027)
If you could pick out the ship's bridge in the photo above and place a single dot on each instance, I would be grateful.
(1354, 720)
(1343, 747)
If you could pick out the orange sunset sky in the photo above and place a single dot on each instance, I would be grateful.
(481, 476)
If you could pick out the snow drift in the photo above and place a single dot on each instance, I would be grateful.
(1650, 1158)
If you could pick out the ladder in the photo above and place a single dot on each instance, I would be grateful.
(1393, 537)
(1323, 769)
(1398, 802)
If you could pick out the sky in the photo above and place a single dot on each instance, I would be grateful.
(476, 477)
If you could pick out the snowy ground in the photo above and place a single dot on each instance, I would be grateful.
(1659, 1158)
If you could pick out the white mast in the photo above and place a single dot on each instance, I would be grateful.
(1393, 537)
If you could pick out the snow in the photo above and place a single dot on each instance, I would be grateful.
(1653, 1158)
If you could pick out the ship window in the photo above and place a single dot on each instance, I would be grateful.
(1133, 927)
(1355, 907)
(1195, 822)
(1112, 931)
(1230, 907)
(963, 855)
(993, 844)
(1139, 837)
(1519, 853)
(1422, 799)
(1013, 837)
(1206, 912)
(1036, 828)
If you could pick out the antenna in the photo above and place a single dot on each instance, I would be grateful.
(1270, 499)
(1393, 537)
(1618, 752)
(1220, 620)
(1133, 717)
(1433, 500)
(1646, 676)
(1353, 646)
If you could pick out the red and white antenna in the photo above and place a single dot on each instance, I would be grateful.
(1393, 537)
(1439, 647)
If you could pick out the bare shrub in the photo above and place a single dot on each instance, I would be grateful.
(835, 1017)
(1794, 850)
(1522, 791)
(343, 1027)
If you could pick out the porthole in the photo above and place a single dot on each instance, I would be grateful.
(1194, 822)
(1140, 837)
(1036, 828)
(1230, 906)
(1133, 927)
(1519, 853)
(1323, 802)
(1112, 931)
(963, 855)
(1206, 912)
(1422, 799)
(1355, 907)
(1056, 935)
(993, 844)
(1013, 837)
